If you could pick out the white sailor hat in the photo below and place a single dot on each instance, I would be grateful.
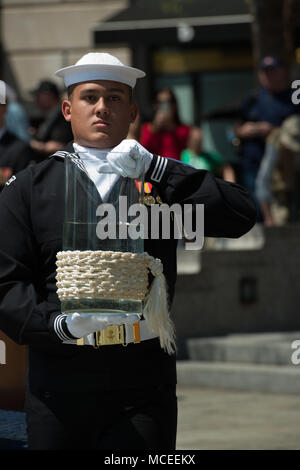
(99, 66)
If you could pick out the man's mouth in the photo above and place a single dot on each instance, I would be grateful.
(101, 124)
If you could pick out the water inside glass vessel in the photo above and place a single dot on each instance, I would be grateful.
(82, 199)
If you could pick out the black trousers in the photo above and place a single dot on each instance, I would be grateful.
(138, 419)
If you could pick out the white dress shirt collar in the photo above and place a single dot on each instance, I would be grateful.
(90, 158)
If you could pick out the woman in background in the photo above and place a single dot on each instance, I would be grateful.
(165, 135)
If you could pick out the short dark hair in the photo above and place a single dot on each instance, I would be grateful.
(46, 86)
(70, 90)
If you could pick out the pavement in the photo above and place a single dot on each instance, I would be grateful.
(210, 419)
(240, 392)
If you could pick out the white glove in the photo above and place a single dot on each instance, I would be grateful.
(129, 159)
(82, 324)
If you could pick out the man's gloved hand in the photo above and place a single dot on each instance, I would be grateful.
(129, 159)
(81, 324)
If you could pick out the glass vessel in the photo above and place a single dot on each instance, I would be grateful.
(96, 206)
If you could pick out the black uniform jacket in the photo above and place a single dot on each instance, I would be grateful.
(14, 153)
(31, 214)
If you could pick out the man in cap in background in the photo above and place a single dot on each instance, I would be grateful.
(111, 397)
(261, 113)
(53, 133)
(15, 154)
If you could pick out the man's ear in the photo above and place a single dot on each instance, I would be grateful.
(66, 110)
(133, 112)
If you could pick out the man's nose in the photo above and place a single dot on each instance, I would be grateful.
(101, 107)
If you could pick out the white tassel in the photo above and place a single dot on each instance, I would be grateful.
(156, 310)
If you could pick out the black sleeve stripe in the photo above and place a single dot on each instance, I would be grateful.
(61, 328)
(159, 169)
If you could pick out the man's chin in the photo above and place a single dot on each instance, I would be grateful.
(102, 142)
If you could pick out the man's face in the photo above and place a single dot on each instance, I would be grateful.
(45, 100)
(274, 79)
(100, 113)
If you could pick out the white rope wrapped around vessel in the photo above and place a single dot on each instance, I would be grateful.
(118, 275)
(104, 274)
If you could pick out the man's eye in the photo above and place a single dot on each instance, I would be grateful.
(114, 98)
(90, 98)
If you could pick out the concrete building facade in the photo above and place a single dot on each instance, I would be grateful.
(41, 36)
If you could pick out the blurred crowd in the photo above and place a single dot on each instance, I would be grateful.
(28, 136)
(266, 139)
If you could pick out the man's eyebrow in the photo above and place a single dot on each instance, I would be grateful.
(88, 90)
(116, 90)
(109, 90)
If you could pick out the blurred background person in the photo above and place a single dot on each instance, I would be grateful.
(54, 132)
(282, 154)
(261, 113)
(201, 159)
(165, 135)
(16, 118)
(15, 154)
